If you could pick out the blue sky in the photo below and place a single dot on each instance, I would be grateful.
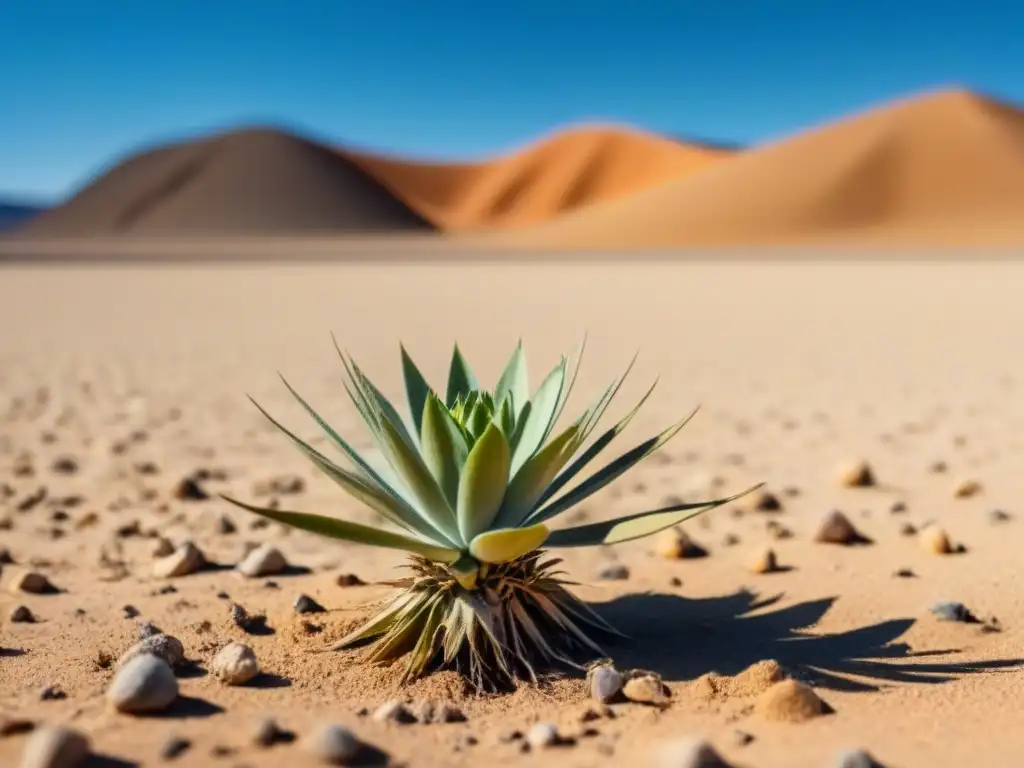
(85, 81)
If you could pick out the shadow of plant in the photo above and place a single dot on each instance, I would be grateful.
(683, 638)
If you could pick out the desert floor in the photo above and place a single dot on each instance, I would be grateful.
(139, 375)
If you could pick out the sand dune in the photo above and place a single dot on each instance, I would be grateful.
(255, 181)
(945, 167)
(565, 171)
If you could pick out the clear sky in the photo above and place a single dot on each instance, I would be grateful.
(85, 81)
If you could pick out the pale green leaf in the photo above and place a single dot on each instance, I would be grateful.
(352, 532)
(461, 380)
(596, 411)
(539, 419)
(608, 473)
(416, 389)
(567, 391)
(385, 410)
(533, 477)
(636, 526)
(507, 544)
(514, 381)
(443, 447)
(483, 483)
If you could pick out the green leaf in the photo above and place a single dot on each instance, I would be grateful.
(478, 419)
(410, 467)
(539, 419)
(416, 390)
(507, 544)
(483, 483)
(353, 532)
(636, 526)
(608, 473)
(386, 411)
(506, 417)
(382, 498)
(443, 447)
(533, 477)
(588, 455)
(461, 380)
(567, 391)
(514, 381)
(596, 411)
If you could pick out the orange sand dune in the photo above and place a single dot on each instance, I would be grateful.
(946, 167)
(567, 170)
(255, 181)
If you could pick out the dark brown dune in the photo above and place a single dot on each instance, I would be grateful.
(247, 182)
(943, 168)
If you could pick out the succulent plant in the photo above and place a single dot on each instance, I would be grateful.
(471, 484)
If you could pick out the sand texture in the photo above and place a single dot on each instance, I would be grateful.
(118, 383)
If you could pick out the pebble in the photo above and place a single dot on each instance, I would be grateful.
(174, 748)
(766, 501)
(439, 712)
(185, 560)
(790, 701)
(936, 541)
(966, 489)
(33, 583)
(14, 726)
(857, 758)
(306, 604)
(144, 684)
(55, 746)
(268, 733)
(763, 561)
(163, 547)
(265, 560)
(189, 489)
(690, 753)
(674, 544)
(393, 711)
(6, 558)
(856, 474)
(349, 580)
(148, 629)
(613, 572)
(21, 614)
(953, 611)
(52, 693)
(606, 683)
(998, 516)
(542, 736)
(836, 528)
(235, 664)
(254, 624)
(165, 647)
(335, 744)
(225, 525)
(645, 688)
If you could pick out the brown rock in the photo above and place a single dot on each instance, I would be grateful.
(965, 489)
(856, 474)
(185, 560)
(33, 583)
(674, 544)
(790, 701)
(763, 561)
(936, 541)
(836, 528)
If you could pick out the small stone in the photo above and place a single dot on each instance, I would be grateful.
(898, 508)
(268, 733)
(255, 624)
(225, 525)
(606, 683)
(856, 474)
(189, 489)
(52, 693)
(15, 726)
(55, 746)
(936, 541)
(349, 580)
(6, 558)
(613, 572)
(393, 711)
(145, 683)
(335, 745)
(836, 528)
(509, 735)
(265, 560)
(165, 647)
(148, 629)
(674, 544)
(185, 560)
(999, 516)
(953, 611)
(645, 688)
(235, 664)
(790, 701)
(21, 614)
(763, 561)
(438, 712)
(966, 489)
(938, 467)
(542, 736)
(306, 604)
(33, 583)
(908, 529)
(65, 465)
(285, 485)
(174, 748)
(130, 611)
(730, 540)
(904, 573)
(857, 758)
(163, 547)
(742, 738)
(690, 753)
(765, 501)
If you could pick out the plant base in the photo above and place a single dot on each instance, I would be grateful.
(518, 622)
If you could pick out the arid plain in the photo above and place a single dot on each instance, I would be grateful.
(124, 413)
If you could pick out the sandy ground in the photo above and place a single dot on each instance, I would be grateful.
(139, 375)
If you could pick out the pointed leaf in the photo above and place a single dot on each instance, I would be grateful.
(567, 391)
(443, 447)
(461, 380)
(386, 411)
(533, 477)
(353, 532)
(514, 380)
(483, 483)
(588, 455)
(539, 419)
(416, 390)
(636, 526)
(505, 417)
(608, 473)
(507, 544)
(596, 411)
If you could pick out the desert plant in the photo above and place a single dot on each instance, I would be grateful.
(472, 483)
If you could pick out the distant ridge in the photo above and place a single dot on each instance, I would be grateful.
(14, 214)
